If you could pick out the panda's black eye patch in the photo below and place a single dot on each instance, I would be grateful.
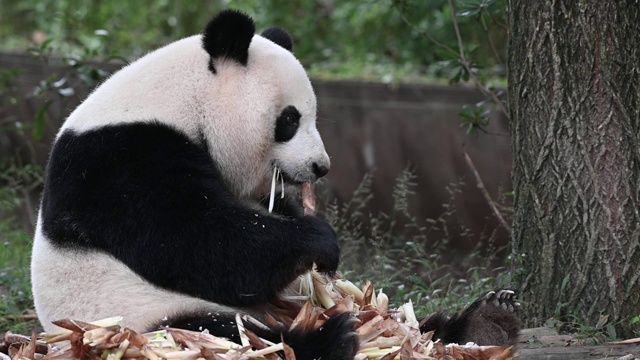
(287, 124)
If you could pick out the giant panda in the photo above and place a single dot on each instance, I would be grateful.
(153, 202)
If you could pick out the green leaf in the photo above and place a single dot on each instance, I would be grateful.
(39, 121)
(565, 281)
(467, 13)
(446, 54)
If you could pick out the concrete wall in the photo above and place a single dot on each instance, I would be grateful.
(374, 127)
(366, 127)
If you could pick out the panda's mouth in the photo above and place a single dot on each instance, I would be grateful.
(288, 179)
(281, 175)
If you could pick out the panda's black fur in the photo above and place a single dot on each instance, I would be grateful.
(146, 202)
(149, 179)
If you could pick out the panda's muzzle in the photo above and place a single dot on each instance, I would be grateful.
(316, 172)
(319, 170)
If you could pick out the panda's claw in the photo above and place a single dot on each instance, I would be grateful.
(488, 295)
(504, 299)
(505, 294)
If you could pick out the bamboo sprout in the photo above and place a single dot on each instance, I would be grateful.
(268, 350)
(121, 349)
(321, 293)
(244, 339)
(350, 289)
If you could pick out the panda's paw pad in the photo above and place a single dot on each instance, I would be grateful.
(504, 299)
(492, 320)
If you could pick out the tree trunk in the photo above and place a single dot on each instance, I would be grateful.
(574, 93)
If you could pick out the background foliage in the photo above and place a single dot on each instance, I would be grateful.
(379, 39)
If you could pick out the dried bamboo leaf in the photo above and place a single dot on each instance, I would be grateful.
(26, 350)
(303, 316)
(73, 325)
(206, 340)
(366, 315)
(57, 336)
(81, 326)
(272, 323)
(272, 349)
(78, 349)
(368, 291)
(391, 355)
(11, 338)
(136, 339)
(406, 351)
(288, 351)
(255, 341)
(101, 337)
(369, 327)
(382, 342)
(341, 306)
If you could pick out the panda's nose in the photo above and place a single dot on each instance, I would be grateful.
(320, 170)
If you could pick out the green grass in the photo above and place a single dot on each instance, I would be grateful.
(16, 299)
(15, 286)
(395, 252)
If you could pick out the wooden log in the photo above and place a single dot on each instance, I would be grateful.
(609, 352)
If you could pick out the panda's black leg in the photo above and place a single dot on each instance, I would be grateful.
(490, 320)
(336, 340)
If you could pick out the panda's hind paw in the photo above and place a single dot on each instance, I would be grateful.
(504, 299)
(491, 320)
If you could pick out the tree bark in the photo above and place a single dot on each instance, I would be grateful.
(574, 86)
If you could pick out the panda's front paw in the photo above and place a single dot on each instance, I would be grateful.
(328, 261)
(323, 248)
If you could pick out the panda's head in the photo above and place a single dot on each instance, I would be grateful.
(259, 109)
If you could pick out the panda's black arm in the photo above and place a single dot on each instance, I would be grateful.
(154, 200)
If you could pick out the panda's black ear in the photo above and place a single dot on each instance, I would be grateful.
(228, 35)
(279, 36)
